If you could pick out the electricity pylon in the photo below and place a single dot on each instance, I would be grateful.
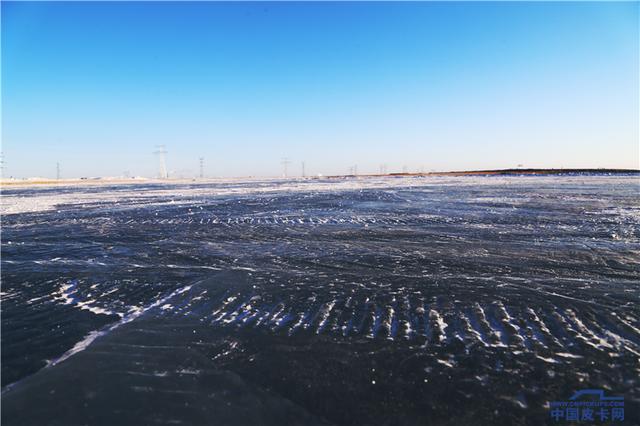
(285, 164)
(163, 165)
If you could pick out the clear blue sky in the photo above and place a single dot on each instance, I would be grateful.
(445, 86)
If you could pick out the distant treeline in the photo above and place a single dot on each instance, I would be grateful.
(527, 172)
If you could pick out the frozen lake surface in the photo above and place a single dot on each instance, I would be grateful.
(467, 300)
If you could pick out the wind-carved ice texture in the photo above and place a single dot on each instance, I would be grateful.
(427, 298)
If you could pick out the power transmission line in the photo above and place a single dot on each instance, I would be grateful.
(163, 165)
(285, 164)
(201, 167)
